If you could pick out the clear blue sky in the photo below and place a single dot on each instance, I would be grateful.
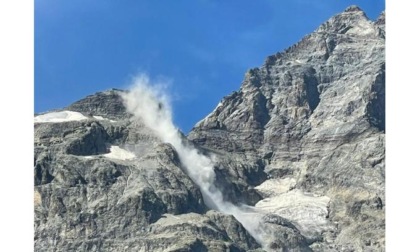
(203, 46)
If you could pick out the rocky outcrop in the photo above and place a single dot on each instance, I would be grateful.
(108, 104)
(302, 143)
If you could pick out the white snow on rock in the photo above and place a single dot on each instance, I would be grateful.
(118, 153)
(308, 212)
(273, 187)
(101, 118)
(62, 116)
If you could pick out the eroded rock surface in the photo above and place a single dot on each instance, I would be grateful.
(108, 185)
(311, 120)
(302, 143)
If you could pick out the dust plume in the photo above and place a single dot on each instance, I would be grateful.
(148, 102)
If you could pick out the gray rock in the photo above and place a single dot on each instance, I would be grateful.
(315, 113)
(108, 104)
(89, 199)
(302, 139)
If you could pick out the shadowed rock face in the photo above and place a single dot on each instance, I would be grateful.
(302, 140)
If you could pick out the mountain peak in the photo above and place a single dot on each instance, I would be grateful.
(381, 19)
(107, 103)
(351, 17)
(353, 8)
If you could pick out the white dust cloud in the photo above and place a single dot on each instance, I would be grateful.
(149, 104)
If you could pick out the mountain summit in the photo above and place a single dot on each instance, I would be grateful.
(292, 161)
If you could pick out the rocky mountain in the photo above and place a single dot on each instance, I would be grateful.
(299, 148)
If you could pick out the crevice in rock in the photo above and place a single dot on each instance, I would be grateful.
(311, 86)
(330, 43)
(261, 113)
(93, 142)
(42, 174)
(233, 191)
(376, 105)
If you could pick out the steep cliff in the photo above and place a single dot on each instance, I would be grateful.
(311, 120)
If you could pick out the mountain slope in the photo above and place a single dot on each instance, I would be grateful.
(301, 144)
(313, 119)
(112, 185)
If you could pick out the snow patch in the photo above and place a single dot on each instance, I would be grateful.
(118, 153)
(115, 153)
(274, 187)
(62, 116)
(101, 118)
(308, 212)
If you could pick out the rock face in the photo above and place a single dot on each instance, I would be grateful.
(313, 119)
(88, 197)
(302, 142)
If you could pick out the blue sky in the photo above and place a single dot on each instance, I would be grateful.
(203, 47)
